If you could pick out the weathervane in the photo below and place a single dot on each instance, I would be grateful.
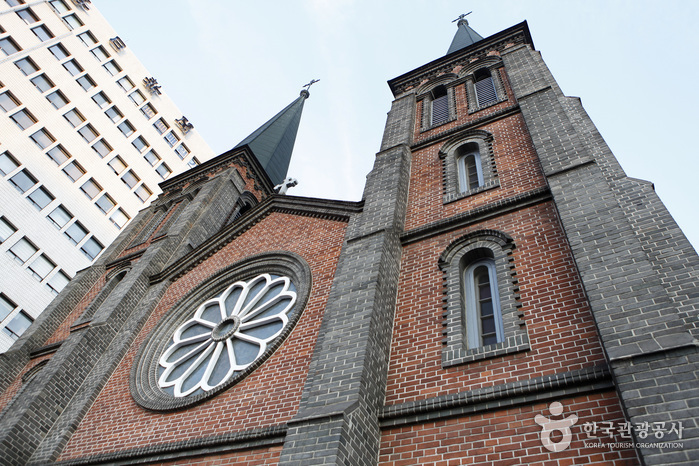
(313, 81)
(462, 18)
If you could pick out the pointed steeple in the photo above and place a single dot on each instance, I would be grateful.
(273, 142)
(465, 36)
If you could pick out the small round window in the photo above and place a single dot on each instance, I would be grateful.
(220, 332)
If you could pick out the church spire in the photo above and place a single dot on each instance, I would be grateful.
(465, 36)
(273, 142)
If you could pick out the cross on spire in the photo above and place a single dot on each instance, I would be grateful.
(313, 81)
(462, 18)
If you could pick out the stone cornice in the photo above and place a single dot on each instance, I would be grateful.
(340, 211)
(517, 34)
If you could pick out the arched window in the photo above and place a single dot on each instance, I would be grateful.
(440, 105)
(469, 167)
(485, 88)
(482, 304)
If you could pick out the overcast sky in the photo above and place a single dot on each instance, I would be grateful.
(231, 65)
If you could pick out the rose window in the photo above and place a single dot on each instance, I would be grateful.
(225, 335)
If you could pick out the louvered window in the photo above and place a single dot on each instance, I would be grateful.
(485, 88)
(440, 106)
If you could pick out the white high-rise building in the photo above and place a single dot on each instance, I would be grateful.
(86, 135)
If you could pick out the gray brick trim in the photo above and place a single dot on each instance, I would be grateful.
(226, 443)
(477, 215)
(502, 396)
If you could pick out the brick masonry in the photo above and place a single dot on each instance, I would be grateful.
(597, 285)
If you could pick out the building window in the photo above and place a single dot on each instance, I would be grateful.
(42, 83)
(112, 68)
(469, 167)
(130, 179)
(126, 128)
(114, 114)
(148, 111)
(60, 6)
(58, 282)
(88, 133)
(440, 106)
(27, 16)
(43, 33)
(23, 119)
(41, 197)
(41, 267)
(8, 101)
(27, 66)
(7, 163)
(43, 138)
(22, 250)
(100, 53)
(23, 181)
(171, 138)
(73, 67)
(91, 188)
(58, 154)
(137, 98)
(143, 193)
(160, 126)
(140, 144)
(119, 218)
(482, 317)
(105, 203)
(163, 170)
(9, 46)
(6, 307)
(74, 117)
(76, 232)
(60, 216)
(72, 21)
(101, 99)
(57, 99)
(6, 230)
(102, 148)
(17, 326)
(485, 88)
(74, 171)
(125, 83)
(86, 82)
(12, 3)
(87, 38)
(59, 52)
(117, 164)
(193, 162)
(182, 151)
(468, 164)
(92, 248)
(151, 157)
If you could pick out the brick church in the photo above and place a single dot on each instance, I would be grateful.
(502, 294)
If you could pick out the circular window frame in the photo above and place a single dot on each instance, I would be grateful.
(143, 382)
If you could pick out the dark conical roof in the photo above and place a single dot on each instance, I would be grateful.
(273, 142)
(464, 37)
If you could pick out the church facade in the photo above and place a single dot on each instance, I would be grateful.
(502, 294)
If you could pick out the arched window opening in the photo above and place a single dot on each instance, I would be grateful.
(485, 87)
(440, 105)
(482, 302)
(469, 167)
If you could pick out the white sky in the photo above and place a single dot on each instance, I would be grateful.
(230, 65)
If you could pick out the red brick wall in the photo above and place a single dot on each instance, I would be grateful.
(263, 456)
(515, 159)
(559, 323)
(269, 396)
(508, 437)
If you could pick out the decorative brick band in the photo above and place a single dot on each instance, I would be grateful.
(498, 397)
(248, 439)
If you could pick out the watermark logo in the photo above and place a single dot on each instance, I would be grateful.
(549, 426)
